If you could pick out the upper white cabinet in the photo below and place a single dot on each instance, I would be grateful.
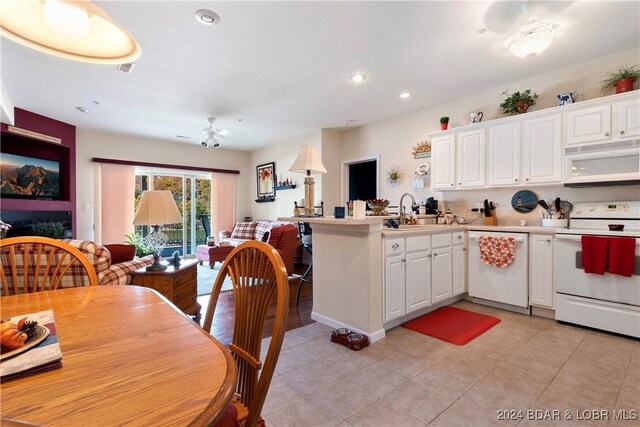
(628, 119)
(470, 155)
(589, 125)
(504, 154)
(543, 150)
(443, 162)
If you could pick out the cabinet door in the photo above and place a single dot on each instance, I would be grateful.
(441, 277)
(541, 270)
(504, 154)
(628, 119)
(459, 269)
(418, 280)
(394, 302)
(543, 150)
(589, 125)
(470, 155)
(443, 162)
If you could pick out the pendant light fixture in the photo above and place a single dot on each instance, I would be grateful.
(532, 38)
(71, 29)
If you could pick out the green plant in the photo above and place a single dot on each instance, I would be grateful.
(444, 119)
(518, 102)
(624, 71)
(51, 229)
(142, 248)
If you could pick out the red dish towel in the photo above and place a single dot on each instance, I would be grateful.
(594, 254)
(622, 255)
(497, 251)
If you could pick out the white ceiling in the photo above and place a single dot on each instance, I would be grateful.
(284, 67)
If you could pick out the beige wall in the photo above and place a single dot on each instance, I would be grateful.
(283, 154)
(394, 138)
(107, 145)
(331, 159)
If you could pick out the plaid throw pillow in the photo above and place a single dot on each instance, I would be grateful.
(261, 228)
(244, 230)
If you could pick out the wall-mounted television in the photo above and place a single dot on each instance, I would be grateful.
(29, 177)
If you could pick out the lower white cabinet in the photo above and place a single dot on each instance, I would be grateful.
(422, 270)
(541, 270)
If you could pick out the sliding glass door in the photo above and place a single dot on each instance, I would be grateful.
(192, 194)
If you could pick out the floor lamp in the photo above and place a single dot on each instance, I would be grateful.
(308, 161)
(157, 208)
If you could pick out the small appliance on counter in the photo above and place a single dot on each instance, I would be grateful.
(431, 206)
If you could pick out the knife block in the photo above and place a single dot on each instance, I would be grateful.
(490, 220)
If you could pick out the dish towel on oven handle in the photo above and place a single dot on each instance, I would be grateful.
(622, 255)
(497, 251)
(594, 254)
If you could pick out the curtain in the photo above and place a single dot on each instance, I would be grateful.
(223, 202)
(115, 193)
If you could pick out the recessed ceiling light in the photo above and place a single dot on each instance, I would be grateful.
(358, 77)
(349, 122)
(404, 95)
(207, 17)
(84, 110)
(482, 30)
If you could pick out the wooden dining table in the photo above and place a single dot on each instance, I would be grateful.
(129, 357)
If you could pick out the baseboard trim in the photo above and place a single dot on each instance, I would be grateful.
(373, 335)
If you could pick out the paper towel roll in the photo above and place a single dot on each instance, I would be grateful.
(359, 209)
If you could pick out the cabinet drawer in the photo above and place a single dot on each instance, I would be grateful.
(440, 240)
(458, 238)
(186, 290)
(418, 243)
(186, 276)
(393, 246)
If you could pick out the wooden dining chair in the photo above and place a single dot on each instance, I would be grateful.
(35, 264)
(258, 274)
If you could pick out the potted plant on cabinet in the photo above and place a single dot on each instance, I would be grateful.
(444, 122)
(518, 102)
(622, 79)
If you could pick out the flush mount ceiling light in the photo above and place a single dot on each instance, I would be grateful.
(532, 38)
(207, 17)
(358, 77)
(404, 95)
(71, 29)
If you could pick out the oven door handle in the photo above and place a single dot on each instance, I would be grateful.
(578, 238)
(473, 236)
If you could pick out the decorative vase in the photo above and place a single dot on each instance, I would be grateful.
(522, 107)
(444, 126)
(625, 85)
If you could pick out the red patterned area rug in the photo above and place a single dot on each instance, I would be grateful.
(452, 325)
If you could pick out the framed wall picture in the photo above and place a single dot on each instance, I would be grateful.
(265, 175)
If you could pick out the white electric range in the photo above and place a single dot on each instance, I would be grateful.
(609, 302)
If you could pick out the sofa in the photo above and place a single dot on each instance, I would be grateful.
(109, 273)
(283, 236)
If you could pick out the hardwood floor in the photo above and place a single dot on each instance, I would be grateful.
(300, 315)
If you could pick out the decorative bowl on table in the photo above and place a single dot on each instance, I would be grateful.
(378, 206)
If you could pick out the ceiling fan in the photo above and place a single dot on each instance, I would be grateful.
(212, 135)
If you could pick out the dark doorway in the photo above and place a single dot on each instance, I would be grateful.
(363, 180)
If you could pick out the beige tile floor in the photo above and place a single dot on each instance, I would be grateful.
(522, 364)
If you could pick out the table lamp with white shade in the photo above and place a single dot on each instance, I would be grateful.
(157, 208)
(308, 161)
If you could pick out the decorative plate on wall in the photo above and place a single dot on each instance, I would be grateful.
(524, 201)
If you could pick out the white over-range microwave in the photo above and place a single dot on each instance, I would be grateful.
(602, 164)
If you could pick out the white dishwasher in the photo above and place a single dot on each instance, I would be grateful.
(509, 285)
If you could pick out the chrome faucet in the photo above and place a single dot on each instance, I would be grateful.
(401, 208)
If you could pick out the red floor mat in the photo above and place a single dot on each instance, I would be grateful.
(452, 325)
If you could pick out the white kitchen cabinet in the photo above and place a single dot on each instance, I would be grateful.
(443, 162)
(504, 154)
(541, 270)
(470, 159)
(418, 280)
(588, 125)
(394, 287)
(543, 150)
(459, 264)
(442, 274)
(628, 123)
